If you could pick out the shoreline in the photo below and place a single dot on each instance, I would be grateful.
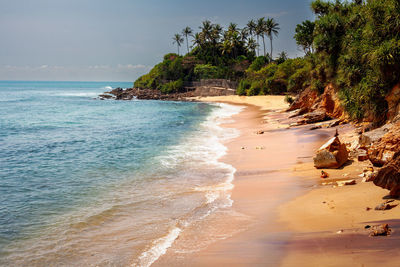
(296, 220)
(262, 182)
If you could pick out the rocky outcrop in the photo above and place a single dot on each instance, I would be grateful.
(313, 117)
(383, 149)
(304, 100)
(328, 102)
(388, 176)
(333, 154)
(131, 93)
(393, 100)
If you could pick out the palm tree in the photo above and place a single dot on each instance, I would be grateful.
(251, 45)
(251, 27)
(187, 32)
(178, 40)
(198, 39)
(271, 28)
(260, 31)
(206, 30)
(216, 33)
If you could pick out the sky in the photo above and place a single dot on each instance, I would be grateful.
(119, 40)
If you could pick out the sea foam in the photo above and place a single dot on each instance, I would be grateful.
(203, 149)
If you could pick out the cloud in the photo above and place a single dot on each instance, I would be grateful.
(120, 72)
(276, 15)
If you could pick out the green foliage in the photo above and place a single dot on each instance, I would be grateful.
(305, 35)
(258, 63)
(172, 87)
(357, 47)
(206, 71)
(244, 85)
(274, 78)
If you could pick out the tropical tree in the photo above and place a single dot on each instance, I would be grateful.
(271, 28)
(282, 57)
(251, 27)
(187, 32)
(260, 31)
(207, 30)
(251, 45)
(304, 35)
(178, 40)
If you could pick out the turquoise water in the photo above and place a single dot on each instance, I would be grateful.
(75, 169)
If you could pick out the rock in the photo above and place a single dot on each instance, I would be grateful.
(260, 132)
(386, 205)
(388, 176)
(393, 100)
(368, 176)
(383, 149)
(106, 96)
(333, 154)
(316, 127)
(313, 117)
(132, 93)
(324, 174)
(381, 230)
(304, 100)
(347, 182)
(334, 123)
(362, 155)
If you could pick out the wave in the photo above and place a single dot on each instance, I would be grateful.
(79, 94)
(158, 249)
(198, 154)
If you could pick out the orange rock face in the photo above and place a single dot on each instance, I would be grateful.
(389, 176)
(383, 151)
(393, 100)
(329, 102)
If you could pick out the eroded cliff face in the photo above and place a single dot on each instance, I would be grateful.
(393, 100)
(328, 102)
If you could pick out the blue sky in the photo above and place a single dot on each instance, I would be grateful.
(104, 40)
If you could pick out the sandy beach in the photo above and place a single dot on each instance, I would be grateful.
(297, 218)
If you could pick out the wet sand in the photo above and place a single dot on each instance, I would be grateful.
(263, 181)
(295, 220)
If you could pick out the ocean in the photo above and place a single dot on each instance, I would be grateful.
(86, 182)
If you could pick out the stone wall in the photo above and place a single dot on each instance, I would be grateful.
(212, 87)
(214, 83)
(213, 91)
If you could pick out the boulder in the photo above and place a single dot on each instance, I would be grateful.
(380, 230)
(383, 150)
(315, 116)
(333, 154)
(386, 205)
(388, 176)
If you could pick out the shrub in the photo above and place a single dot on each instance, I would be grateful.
(258, 63)
(206, 71)
(243, 86)
(289, 99)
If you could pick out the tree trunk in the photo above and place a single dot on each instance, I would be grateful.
(263, 44)
(258, 46)
(187, 44)
(270, 38)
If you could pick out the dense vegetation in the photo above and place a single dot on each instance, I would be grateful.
(357, 47)
(354, 45)
(215, 53)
